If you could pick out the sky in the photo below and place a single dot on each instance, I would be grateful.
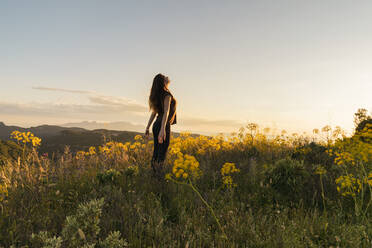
(289, 64)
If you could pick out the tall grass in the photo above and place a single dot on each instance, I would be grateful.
(285, 195)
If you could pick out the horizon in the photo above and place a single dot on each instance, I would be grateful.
(292, 66)
(94, 125)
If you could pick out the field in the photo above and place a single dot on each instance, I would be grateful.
(245, 190)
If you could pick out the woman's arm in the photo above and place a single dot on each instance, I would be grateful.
(147, 133)
(162, 134)
(152, 117)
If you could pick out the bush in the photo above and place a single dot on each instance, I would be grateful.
(110, 176)
(81, 230)
(312, 153)
(288, 178)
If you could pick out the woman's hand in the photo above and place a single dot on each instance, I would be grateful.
(147, 133)
(161, 136)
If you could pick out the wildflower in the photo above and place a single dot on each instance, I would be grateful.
(348, 185)
(368, 179)
(132, 170)
(3, 192)
(168, 176)
(186, 166)
(92, 150)
(320, 170)
(226, 170)
(80, 155)
(26, 137)
(36, 141)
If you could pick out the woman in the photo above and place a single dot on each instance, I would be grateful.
(162, 104)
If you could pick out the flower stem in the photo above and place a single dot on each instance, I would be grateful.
(208, 206)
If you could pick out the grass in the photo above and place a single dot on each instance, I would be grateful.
(278, 202)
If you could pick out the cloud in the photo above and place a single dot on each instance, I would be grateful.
(126, 104)
(108, 112)
(63, 90)
(100, 108)
(51, 109)
(99, 99)
(206, 122)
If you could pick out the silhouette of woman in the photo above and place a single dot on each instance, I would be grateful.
(163, 104)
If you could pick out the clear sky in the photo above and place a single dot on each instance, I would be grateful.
(293, 65)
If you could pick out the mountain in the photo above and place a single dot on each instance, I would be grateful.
(56, 138)
(119, 126)
(40, 131)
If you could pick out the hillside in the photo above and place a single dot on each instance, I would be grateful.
(56, 138)
(40, 131)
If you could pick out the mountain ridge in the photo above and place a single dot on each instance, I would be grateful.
(56, 138)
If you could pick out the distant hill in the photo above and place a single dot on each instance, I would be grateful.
(82, 140)
(118, 126)
(56, 138)
(40, 131)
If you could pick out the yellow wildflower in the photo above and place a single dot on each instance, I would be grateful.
(226, 170)
(320, 170)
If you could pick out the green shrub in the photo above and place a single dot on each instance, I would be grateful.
(110, 176)
(288, 178)
(81, 230)
(312, 153)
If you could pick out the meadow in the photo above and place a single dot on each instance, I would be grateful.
(245, 190)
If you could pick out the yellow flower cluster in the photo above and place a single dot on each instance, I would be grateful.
(80, 155)
(228, 168)
(352, 153)
(90, 152)
(3, 192)
(226, 171)
(132, 170)
(199, 145)
(26, 137)
(113, 148)
(203, 145)
(348, 185)
(355, 150)
(117, 149)
(185, 166)
(368, 180)
(320, 170)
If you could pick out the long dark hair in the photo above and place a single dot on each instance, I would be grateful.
(158, 92)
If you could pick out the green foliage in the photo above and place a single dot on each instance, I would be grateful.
(288, 178)
(131, 170)
(312, 153)
(110, 176)
(81, 230)
(44, 240)
(113, 240)
(9, 150)
(361, 118)
(285, 196)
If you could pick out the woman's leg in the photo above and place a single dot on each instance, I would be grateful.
(163, 147)
(160, 149)
(154, 160)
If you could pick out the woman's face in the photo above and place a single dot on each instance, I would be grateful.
(167, 82)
